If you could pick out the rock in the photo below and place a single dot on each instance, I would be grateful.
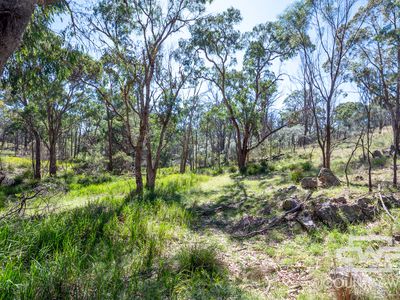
(290, 203)
(390, 201)
(339, 200)
(365, 202)
(2, 176)
(327, 179)
(7, 181)
(396, 238)
(352, 213)
(328, 214)
(305, 220)
(309, 183)
(377, 154)
(289, 189)
(359, 178)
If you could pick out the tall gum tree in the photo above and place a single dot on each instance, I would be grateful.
(246, 93)
(376, 62)
(138, 32)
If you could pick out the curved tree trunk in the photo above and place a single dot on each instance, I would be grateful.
(14, 18)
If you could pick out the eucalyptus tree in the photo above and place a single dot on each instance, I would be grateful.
(42, 82)
(333, 32)
(293, 26)
(377, 62)
(138, 32)
(15, 16)
(247, 93)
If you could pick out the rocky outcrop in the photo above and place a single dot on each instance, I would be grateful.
(290, 203)
(306, 221)
(309, 183)
(327, 179)
(2, 176)
(5, 180)
(328, 214)
(336, 213)
(377, 154)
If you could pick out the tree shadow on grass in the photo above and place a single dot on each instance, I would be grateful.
(234, 203)
(106, 250)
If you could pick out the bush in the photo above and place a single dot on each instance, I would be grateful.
(232, 169)
(379, 161)
(296, 175)
(306, 166)
(195, 258)
(217, 171)
(94, 179)
(92, 166)
(122, 163)
(259, 169)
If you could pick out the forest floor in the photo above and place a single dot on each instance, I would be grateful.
(92, 239)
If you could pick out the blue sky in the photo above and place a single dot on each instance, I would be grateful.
(253, 11)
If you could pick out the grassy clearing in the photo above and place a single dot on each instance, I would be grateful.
(111, 248)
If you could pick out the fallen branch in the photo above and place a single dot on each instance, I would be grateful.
(384, 206)
(277, 220)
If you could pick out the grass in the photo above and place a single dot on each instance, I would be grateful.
(102, 243)
(112, 247)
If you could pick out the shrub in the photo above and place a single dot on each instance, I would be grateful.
(196, 258)
(217, 171)
(296, 175)
(379, 161)
(94, 179)
(306, 166)
(259, 169)
(232, 169)
(92, 166)
(122, 163)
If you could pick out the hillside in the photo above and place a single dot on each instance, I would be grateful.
(87, 237)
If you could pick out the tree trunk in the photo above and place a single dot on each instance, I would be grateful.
(396, 146)
(151, 179)
(368, 150)
(14, 18)
(328, 146)
(37, 165)
(110, 166)
(184, 155)
(241, 159)
(52, 158)
(138, 169)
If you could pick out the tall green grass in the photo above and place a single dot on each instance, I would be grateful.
(114, 248)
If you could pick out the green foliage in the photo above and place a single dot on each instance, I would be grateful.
(379, 161)
(86, 180)
(199, 258)
(232, 169)
(217, 171)
(259, 168)
(296, 175)
(122, 163)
